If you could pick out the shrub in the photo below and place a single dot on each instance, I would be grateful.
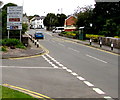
(3, 48)
(91, 36)
(13, 42)
(20, 46)
(10, 42)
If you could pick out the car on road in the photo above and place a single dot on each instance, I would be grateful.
(39, 35)
(58, 30)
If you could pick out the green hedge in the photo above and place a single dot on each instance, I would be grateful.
(92, 36)
(12, 42)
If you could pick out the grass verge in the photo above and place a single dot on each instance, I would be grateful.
(10, 94)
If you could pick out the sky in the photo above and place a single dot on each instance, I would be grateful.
(42, 7)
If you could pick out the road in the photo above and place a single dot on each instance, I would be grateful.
(70, 70)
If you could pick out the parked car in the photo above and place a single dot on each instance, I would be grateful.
(58, 30)
(39, 35)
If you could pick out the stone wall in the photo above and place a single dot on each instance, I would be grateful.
(108, 40)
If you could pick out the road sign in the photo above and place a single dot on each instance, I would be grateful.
(14, 17)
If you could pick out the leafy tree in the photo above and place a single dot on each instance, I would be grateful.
(24, 27)
(50, 21)
(61, 19)
(103, 13)
(109, 29)
(4, 18)
(84, 16)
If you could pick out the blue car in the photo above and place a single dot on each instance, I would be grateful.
(39, 35)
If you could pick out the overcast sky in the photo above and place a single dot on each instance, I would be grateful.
(42, 7)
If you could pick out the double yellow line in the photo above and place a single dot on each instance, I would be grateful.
(34, 94)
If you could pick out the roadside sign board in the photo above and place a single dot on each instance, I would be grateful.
(14, 17)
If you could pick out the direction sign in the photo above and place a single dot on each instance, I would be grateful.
(14, 17)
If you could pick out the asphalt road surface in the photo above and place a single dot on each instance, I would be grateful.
(70, 70)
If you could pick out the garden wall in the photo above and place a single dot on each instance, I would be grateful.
(108, 40)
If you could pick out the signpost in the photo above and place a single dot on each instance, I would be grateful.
(14, 18)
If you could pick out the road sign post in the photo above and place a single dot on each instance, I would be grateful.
(14, 19)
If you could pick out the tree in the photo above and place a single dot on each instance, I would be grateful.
(4, 18)
(84, 16)
(103, 13)
(50, 21)
(61, 19)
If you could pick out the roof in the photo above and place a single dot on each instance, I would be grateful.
(38, 18)
(70, 20)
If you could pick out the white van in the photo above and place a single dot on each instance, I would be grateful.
(58, 30)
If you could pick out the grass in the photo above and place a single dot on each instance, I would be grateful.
(8, 93)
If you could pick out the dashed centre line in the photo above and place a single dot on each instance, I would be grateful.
(97, 90)
(73, 50)
(61, 44)
(96, 58)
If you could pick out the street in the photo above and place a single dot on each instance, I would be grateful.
(70, 70)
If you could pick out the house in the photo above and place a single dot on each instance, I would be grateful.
(69, 24)
(37, 22)
(25, 19)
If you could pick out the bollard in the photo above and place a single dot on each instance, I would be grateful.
(100, 43)
(37, 44)
(112, 45)
(33, 40)
(90, 41)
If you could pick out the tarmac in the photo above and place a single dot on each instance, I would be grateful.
(93, 44)
(33, 50)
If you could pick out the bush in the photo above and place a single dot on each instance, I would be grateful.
(20, 46)
(3, 48)
(10, 42)
(13, 42)
(91, 36)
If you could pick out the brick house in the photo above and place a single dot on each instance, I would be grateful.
(69, 24)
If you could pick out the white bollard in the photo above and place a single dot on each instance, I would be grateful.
(112, 45)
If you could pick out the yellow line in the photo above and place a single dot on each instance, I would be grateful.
(28, 91)
(90, 47)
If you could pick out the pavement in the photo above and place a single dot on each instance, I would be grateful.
(31, 50)
(86, 42)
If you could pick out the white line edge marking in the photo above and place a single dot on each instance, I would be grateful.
(28, 67)
(69, 70)
(80, 78)
(64, 67)
(96, 58)
(88, 83)
(98, 91)
(74, 74)
(107, 97)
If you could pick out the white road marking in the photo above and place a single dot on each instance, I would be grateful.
(107, 97)
(96, 58)
(27, 67)
(61, 44)
(69, 70)
(88, 83)
(98, 91)
(80, 78)
(64, 67)
(61, 65)
(73, 49)
(74, 74)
